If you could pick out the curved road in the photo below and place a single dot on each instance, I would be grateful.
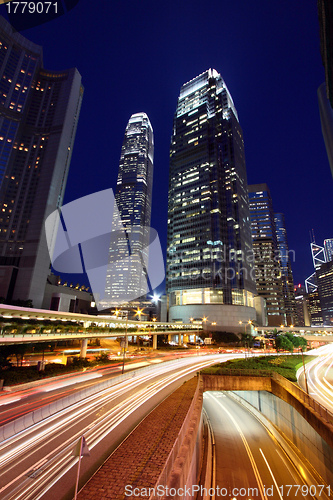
(249, 463)
(319, 373)
(38, 463)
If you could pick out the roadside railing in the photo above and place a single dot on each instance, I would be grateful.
(242, 372)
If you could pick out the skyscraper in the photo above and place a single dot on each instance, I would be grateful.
(325, 16)
(287, 274)
(267, 258)
(326, 119)
(325, 290)
(128, 277)
(209, 270)
(328, 245)
(39, 111)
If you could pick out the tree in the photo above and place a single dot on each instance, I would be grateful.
(19, 351)
(283, 343)
(5, 352)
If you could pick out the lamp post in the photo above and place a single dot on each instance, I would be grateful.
(306, 381)
(125, 343)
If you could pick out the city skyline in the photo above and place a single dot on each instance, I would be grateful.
(283, 143)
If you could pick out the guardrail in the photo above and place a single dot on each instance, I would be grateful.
(243, 372)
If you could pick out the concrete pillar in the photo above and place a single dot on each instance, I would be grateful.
(155, 341)
(169, 337)
(195, 338)
(185, 339)
(179, 339)
(84, 344)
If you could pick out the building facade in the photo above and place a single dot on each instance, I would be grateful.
(287, 275)
(266, 253)
(209, 266)
(128, 256)
(325, 17)
(39, 111)
(325, 290)
(328, 245)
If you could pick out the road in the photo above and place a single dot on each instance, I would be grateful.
(319, 373)
(20, 402)
(250, 464)
(38, 463)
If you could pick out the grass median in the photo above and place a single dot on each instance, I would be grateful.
(261, 366)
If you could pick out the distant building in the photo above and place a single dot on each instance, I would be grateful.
(61, 297)
(209, 266)
(128, 276)
(39, 112)
(302, 307)
(315, 312)
(266, 253)
(287, 275)
(325, 290)
(318, 257)
(328, 245)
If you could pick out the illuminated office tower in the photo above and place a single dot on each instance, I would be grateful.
(287, 274)
(209, 273)
(129, 254)
(267, 261)
(328, 245)
(39, 111)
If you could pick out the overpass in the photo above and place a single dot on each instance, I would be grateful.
(84, 327)
(316, 333)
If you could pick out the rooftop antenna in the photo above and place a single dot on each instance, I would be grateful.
(314, 239)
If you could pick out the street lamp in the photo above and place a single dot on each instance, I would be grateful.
(125, 343)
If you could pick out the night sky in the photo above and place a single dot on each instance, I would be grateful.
(134, 56)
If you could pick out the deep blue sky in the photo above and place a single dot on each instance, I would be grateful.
(134, 56)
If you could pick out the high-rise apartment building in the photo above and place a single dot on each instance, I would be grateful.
(210, 271)
(287, 274)
(128, 255)
(266, 253)
(39, 111)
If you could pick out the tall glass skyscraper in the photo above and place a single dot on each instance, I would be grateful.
(128, 254)
(209, 264)
(39, 111)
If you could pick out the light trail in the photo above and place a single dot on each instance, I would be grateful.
(30, 469)
(321, 389)
(247, 448)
